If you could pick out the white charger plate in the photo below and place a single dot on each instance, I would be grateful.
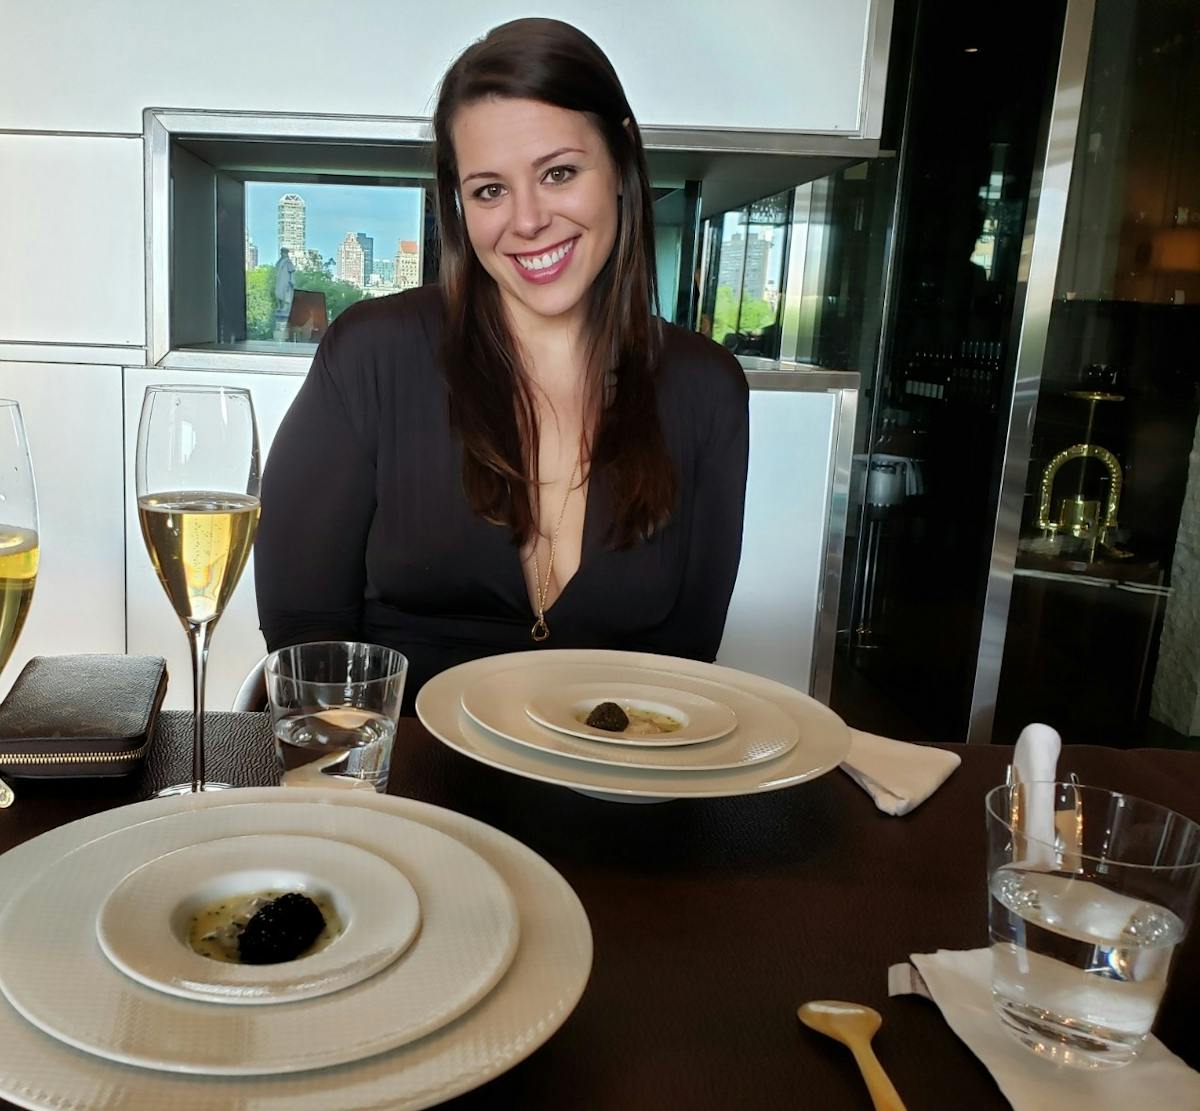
(53, 972)
(561, 708)
(764, 731)
(824, 738)
(539, 991)
(142, 926)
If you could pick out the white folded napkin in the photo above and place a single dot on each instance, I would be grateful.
(959, 982)
(899, 776)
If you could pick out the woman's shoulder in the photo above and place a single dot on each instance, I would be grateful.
(413, 316)
(704, 370)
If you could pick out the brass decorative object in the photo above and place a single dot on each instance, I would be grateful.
(1078, 515)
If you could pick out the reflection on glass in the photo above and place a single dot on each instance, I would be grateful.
(745, 250)
(934, 411)
(1102, 632)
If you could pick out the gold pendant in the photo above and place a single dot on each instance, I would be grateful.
(540, 630)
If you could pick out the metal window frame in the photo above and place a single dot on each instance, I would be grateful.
(161, 125)
(1040, 250)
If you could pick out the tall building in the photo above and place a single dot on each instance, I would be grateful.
(251, 253)
(744, 265)
(292, 229)
(408, 264)
(350, 261)
(385, 270)
(368, 248)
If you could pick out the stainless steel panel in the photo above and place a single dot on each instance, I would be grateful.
(842, 456)
(875, 67)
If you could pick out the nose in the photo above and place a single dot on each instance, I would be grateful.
(529, 215)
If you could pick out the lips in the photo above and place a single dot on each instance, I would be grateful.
(540, 267)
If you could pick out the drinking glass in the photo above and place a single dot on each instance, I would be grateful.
(197, 486)
(1090, 892)
(334, 706)
(18, 528)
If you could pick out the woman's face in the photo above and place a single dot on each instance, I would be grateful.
(539, 195)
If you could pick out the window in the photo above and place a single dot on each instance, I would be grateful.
(312, 250)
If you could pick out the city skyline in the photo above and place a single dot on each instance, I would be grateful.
(386, 214)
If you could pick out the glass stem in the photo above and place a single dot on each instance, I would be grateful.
(199, 636)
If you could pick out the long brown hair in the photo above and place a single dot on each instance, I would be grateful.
(550, 61)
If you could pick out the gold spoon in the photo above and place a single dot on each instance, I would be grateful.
(854, 1025)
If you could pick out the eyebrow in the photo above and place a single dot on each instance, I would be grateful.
(536, 165)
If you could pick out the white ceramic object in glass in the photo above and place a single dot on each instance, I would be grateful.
(468, 937)
(764, 731)
(824, 738)
(143, 925)
(563, 708)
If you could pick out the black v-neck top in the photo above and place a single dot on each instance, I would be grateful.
(366, 532)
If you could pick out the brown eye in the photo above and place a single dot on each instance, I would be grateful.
(559, 175)
(489, 192)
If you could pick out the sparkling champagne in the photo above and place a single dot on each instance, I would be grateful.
(199, 542)
(18, 573)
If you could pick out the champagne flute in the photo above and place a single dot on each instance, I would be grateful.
(18, 538)
(197, 485)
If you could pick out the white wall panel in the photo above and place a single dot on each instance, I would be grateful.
(72, 415)
(71, 238)
(779, 64)
(153, 627)
(772, 621)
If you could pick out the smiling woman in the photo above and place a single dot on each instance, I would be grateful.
(460, 455)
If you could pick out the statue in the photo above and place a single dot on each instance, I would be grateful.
(285, 288)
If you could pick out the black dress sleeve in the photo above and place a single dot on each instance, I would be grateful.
(714, 547)
(318, 502)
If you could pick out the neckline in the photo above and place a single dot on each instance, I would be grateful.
(587, 543)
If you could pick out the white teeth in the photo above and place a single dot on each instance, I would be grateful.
(540, 262)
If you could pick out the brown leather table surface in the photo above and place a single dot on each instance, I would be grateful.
(714, 919)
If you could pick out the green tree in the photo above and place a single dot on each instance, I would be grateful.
(724, 314)
(260, 302)
(756, 315)
(260, 297)
(339, 296)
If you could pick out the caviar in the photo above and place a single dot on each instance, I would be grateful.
(281, 931)
(608, 716)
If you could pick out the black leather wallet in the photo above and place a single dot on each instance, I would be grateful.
(81, 715)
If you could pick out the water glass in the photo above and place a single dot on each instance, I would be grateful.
(1090, 892)
(334, 706)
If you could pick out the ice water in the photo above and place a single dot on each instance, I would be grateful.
(1077, 970)
(345, 747)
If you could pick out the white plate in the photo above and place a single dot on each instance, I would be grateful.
(53, 972)
(530, 1003)
(824, 738)
(563, 708)
(142, 926)
(764, 731)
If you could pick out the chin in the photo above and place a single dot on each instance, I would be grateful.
(550, 302)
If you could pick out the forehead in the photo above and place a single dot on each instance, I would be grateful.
(506, 135)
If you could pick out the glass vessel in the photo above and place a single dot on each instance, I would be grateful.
(18, 528)
(197, 482)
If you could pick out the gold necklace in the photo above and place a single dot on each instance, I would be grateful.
(541, 630)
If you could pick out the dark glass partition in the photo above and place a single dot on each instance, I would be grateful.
(977, 101)
(1103, 637)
